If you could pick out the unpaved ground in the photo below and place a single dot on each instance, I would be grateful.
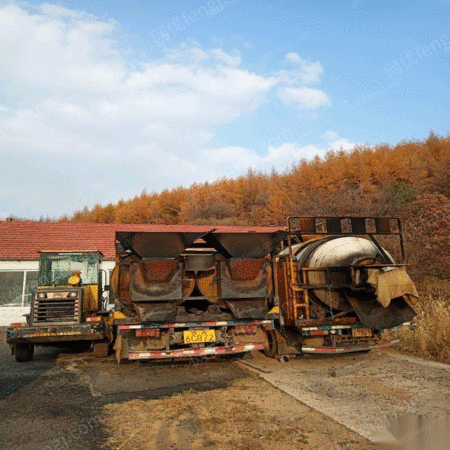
(248, 415)
(385, 396)
(71, 401)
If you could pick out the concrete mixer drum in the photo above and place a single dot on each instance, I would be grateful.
(337, 268)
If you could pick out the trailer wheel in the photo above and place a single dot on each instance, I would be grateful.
(271, 349)
(23, 352)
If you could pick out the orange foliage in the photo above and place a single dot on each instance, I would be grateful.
(380, 179)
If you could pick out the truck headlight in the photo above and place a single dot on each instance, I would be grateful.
(41, 295)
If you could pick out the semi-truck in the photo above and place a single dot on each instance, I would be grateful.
(320, 285)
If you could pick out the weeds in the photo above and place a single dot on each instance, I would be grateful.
(431, 338)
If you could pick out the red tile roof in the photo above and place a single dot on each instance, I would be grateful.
(23, 240)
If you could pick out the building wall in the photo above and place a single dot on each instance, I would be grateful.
(12, 314)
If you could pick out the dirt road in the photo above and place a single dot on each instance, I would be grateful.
(71, 401)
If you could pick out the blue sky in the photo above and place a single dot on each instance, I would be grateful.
(101, 100)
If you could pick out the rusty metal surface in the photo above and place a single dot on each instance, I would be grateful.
(200, 262)
(344, 225)
(157, 311)
(244, 269)
(249, 309)
(166, 284)
(156, 270)
(171, 312)
(155, 245)
(208, 284)
(243, 279)
(249, 245)
(282, 282)
(373, 315)
(300, 228)
(56, 333)
(212, 314)
(189, 284)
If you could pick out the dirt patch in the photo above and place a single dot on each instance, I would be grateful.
(382, 390)
(250, 414)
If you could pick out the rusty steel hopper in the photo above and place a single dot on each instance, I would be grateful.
(244, 275)
(149, 272)
(159, 271)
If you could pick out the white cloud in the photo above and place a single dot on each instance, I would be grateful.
(336, 142)
(305, 97)
(69, 91)
(72, 80)
(304, 71)
(330, 135)
(236, 160)
(230, 60)
(343, 144)
(294, 58)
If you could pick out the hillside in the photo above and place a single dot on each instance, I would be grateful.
(410, 180)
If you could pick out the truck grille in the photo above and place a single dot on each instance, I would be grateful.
(55, 310)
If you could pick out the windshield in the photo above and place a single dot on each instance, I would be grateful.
(56, 269)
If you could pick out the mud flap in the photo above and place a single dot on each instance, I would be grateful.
(118, 345)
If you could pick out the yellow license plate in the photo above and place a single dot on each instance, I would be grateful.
(361, 332)
(195, 336)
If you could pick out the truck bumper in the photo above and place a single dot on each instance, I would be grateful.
(55, 333)
(168, 340)
(193, 352)
(349, 349)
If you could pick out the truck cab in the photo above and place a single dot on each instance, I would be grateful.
(65, 307)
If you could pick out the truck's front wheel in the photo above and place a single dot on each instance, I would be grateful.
(23, 352)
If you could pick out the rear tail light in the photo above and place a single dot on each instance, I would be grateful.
(17, 325)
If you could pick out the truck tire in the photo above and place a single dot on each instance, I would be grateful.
(23, 352)
(271, 349)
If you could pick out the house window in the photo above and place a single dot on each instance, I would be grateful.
(16, 287)
(31, 283)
